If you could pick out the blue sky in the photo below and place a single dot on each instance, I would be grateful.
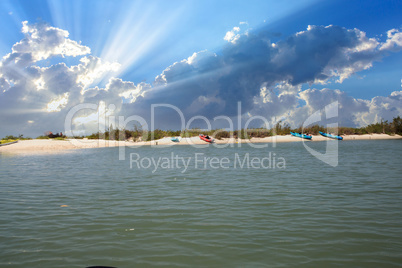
(183, 27)
(150, 39)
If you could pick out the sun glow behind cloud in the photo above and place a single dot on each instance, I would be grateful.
(57, 104)
(126, 34)
(133, 36)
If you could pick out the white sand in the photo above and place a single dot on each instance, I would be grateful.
(49, 146)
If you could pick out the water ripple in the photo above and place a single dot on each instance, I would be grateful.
(89, 208)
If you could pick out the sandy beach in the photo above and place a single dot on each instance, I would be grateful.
(48, 146)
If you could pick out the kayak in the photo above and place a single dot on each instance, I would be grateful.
(174, 139)
(328, 135)
(303, 136)
(206, 138)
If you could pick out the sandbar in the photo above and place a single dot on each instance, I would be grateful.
(51, 145)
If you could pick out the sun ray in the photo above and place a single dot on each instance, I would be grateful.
(135, 37)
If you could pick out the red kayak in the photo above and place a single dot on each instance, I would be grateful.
(206, 138)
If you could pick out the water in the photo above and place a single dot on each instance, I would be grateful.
(87, 208)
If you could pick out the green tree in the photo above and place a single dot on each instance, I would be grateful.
(397, 125)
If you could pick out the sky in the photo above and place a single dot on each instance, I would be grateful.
(211, 62)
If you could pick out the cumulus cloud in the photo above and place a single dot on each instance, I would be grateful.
(43, 41)
(30, 93)
(394, 41)
(295, 106)
(266, 78)
(58, 103)
(232, 35)
(320, 54)
(380, 108)
(91, 69)
(117, 92)
(277, 102)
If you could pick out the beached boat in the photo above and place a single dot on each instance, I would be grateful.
(301, 135)
(206, 138)
(175, 139)
(328, 135)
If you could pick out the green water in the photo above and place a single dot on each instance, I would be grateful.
(303, 213)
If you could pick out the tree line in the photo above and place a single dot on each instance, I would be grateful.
(138, 134)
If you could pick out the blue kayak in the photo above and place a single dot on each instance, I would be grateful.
(331, 136)
(175, 139)
(303, 136)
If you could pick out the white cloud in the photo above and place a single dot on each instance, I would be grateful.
(352, 112)
(381, 108)
(116, 87)
(321, 53)
(272, 103)
(58, 103)
(43, 93)
(266, 77)
(91, 69)
(43, 41)
(394, 41)
(4, 85)
(232, 36)
(39, 83)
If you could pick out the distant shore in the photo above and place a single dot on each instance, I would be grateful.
(49, 146)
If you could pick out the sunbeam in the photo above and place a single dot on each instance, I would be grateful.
(11, 26)
(127, 34)
(133, 36)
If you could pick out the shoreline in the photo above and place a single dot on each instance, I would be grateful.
(49, 146)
